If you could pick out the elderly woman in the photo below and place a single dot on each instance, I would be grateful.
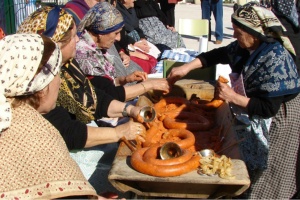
(262, 59)
(122, 62)
(99, 29)
(35, 162)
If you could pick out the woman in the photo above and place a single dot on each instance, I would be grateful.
(100, 27)
(262, 57)
(35, 162)
(152, 22)
(124, 66)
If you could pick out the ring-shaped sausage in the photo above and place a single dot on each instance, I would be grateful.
(187, 138)
(140, 165)
(150, 156)
(186, 120)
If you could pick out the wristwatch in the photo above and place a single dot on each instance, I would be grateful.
(124, 112)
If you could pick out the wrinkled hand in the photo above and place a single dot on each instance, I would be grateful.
(176, 74)
(136, 76)
(125, 59)
(224, 91)
(131, 130)
(143, 45)
(160, 84)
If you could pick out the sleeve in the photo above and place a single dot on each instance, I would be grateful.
(106, 91)
(162, 17)
(102, 83)
(264, 107)
(214, 57)
(73, 131)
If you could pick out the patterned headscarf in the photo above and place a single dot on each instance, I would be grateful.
(261, 23)
(20, 57)
(52, 22)
(287, 9)
(103, 18)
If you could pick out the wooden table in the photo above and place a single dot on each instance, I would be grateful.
(190, 185)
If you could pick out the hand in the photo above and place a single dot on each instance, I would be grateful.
(130, 130)
(143, 45)
(160, 84)
(176, 74)
(224, 92)
(136, 76)
(171, 28)
(125, 58)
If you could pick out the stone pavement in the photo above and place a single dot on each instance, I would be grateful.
(193, 11)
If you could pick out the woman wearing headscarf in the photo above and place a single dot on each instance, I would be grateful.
(288, 14)
(262, 60)
(123, 64)
(35, 163)
(99, 29)
(77, 95)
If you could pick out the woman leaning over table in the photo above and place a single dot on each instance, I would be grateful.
(35, 162)
(83, 102)
(76, 94)
(262, 57)
(99, 29)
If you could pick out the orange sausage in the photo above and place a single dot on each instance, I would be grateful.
(161, 106)
(150, 156)
(186, 120)
(215, 103)
(187, 137)
(140, 165)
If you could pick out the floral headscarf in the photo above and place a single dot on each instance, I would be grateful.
(52, 22)
(103, 18)
(261, 23)
(20, 57)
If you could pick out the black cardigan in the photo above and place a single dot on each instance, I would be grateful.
(264, 107)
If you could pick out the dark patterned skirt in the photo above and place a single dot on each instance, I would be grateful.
(279, 180)
(157, 33)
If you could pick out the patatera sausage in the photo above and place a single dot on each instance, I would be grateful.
(150, 156)
(140, 165)
(161, 106)
(186, 120)
(187, 137)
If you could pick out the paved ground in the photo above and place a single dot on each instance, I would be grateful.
(193, 11)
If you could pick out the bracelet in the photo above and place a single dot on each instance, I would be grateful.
(144, 87)
(124, 112)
